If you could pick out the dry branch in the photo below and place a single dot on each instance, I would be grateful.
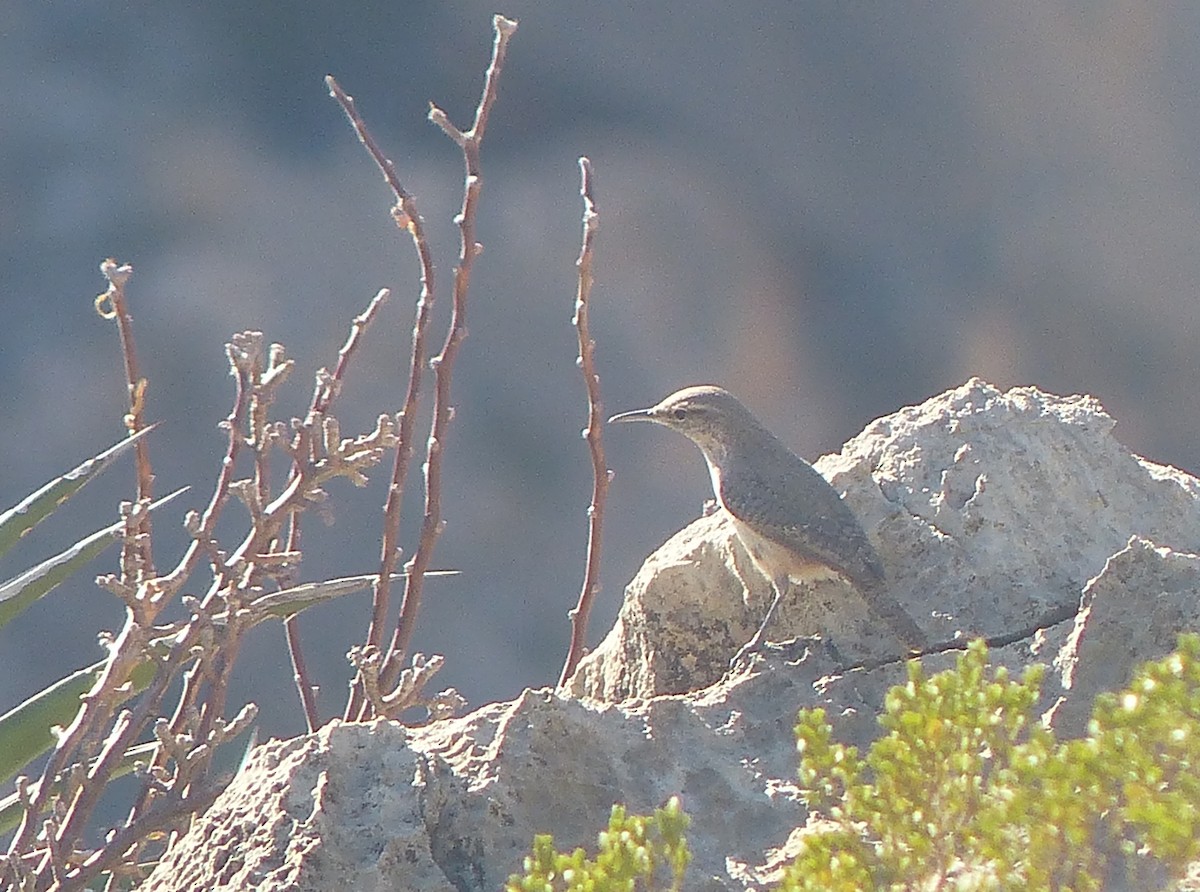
(51, 848)
(407, 217)
(117, 310)
(324, 393)
(593, 433)
(443, 364)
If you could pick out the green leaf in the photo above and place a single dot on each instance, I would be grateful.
(25, 730)
(290, 601)
(19, 592)
(10, 806)
(33, 509)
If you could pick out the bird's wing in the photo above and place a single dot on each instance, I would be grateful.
(799, 509)
(796, 507)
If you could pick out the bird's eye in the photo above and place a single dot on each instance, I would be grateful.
(680, 414)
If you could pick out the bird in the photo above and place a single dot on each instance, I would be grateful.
(793, 523)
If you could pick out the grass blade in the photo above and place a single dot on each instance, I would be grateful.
(290, 601)
(25, 730)
(19, 592)
(36, 507)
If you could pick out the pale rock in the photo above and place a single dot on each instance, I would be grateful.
(1012, 515)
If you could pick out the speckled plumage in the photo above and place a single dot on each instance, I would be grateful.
(793, 523)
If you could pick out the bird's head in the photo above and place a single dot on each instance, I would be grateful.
(708, 415)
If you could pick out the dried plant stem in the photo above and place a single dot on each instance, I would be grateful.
(123, 737)
(244, 353)
(143, 602)
(164, 813)
(594, 430)
(192, 658)
(443, 364)
(300, 676)
(389, 552)
(202, 700)
(100, 704)
(408, 218)
(205, 524)
(112, 305)
(324, 393)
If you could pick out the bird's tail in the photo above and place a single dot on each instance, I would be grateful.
(880, 600)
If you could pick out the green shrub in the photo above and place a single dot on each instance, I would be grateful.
(634, 851)
(966, 790)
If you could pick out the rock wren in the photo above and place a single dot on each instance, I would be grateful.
(793, 523)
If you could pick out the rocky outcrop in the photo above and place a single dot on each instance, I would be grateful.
(1016, 516)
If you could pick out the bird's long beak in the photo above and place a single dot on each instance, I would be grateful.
(635, 415)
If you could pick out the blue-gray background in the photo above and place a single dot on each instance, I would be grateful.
(834, 209)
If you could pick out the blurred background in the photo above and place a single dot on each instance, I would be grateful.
(835, 210)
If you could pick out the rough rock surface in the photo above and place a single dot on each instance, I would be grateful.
(999, 514)
(991, 511)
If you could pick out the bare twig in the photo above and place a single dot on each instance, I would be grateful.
(112, 305)
(100, 704)
(219, 663)
(322, 456)
(322, 402)
(408, 692)
(319, 454)
(177, 780)
(202, 698)
(144, 597)
(601, 475)
(123, 735)
(385, 165)
(324, 394)
(97, 707)
(244, 352)
(194, 637)
(408, 218)
(203, 526)
(258, 434)
(238, 576)
(161, 815)
(300, 676)
(443, 363)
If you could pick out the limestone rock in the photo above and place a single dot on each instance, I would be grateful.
(991, 511)
(1132, 611)
(1002, 514)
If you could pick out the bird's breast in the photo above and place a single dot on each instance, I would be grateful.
(778, 562)
(714, 473)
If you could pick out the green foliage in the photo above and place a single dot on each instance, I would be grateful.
(18, 593)
(966, 790)
(26, 731)
(635, 851)
(18, 520)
